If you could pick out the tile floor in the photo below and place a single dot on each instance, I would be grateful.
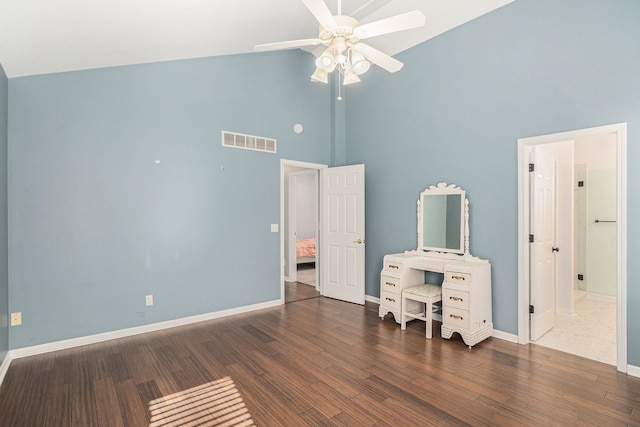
(590, 332)
(307, 274)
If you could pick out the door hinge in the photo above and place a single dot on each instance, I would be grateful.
(530, 238)
(580, 276)
(580, 183)
(531, 309)
(531, 167)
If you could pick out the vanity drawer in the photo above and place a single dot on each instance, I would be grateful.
(390, 300)
(455, 317)
(390, 285)
(392, 266)
(455, 299)
(458, 278)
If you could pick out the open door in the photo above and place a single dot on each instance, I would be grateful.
(543, 249)
(342, 233)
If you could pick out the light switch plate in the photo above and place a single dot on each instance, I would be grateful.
(274, 228)
(16, 319)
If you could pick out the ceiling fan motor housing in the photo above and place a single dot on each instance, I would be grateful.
(344, 30)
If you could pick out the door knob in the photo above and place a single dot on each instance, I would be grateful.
(359, 241)
(555, 249)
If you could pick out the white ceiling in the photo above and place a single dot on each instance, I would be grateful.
(47, 36)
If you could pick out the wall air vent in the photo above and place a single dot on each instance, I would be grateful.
(248, 142)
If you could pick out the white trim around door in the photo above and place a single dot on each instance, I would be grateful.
(284, 164)
(524, 148)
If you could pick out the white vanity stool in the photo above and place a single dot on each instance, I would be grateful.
(425, 294)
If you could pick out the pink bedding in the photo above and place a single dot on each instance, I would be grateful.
(305, 247)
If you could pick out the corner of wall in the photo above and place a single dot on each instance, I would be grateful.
(4, 241)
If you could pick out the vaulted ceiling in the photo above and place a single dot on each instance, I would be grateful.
(47, 36)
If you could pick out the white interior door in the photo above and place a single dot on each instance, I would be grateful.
(342, 233)
(542, 217)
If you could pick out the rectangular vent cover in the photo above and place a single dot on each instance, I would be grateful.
(248, 142)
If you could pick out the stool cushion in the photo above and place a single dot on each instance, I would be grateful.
(428, 291)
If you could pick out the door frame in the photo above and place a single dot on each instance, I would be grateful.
(284, 163)
(524, 147)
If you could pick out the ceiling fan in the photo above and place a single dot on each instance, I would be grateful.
(342, 37)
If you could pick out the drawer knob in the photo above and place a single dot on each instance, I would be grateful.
(456, 298)
(390, 299)
(393, 266)
(458, 277)
(455, 316)
(390, 284)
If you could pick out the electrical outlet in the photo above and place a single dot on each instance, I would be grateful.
(16, 319)
(149, 299)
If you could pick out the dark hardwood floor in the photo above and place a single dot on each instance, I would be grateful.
(296, 291)
(317, 362)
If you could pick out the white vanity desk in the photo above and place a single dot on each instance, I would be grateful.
(466, 288)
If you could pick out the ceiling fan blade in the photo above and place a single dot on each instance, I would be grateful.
(381, 59)
(319, 9)
(292, 44)
(400, 22)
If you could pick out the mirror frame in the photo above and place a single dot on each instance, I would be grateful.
(444, 189)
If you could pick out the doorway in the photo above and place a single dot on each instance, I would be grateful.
(570, 224)
(302, 226)
(300, 220)
(340, 239)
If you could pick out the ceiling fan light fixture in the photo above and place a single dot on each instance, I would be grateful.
(349, 77)
(320, 76)
(326, 61)
(359, 65)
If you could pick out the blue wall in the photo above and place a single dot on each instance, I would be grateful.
(96, 225)
(456, 110)
(4, 273)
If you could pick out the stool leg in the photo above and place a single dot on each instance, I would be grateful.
(428, 314)
(403, 318)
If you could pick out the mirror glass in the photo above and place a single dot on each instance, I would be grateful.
(441, 220)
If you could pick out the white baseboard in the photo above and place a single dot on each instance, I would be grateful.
(634, 371)
(505, 336)
(372, 299)
(93, 339)
(601, 297)
(5, 366)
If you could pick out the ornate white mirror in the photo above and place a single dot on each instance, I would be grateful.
(443, 220)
